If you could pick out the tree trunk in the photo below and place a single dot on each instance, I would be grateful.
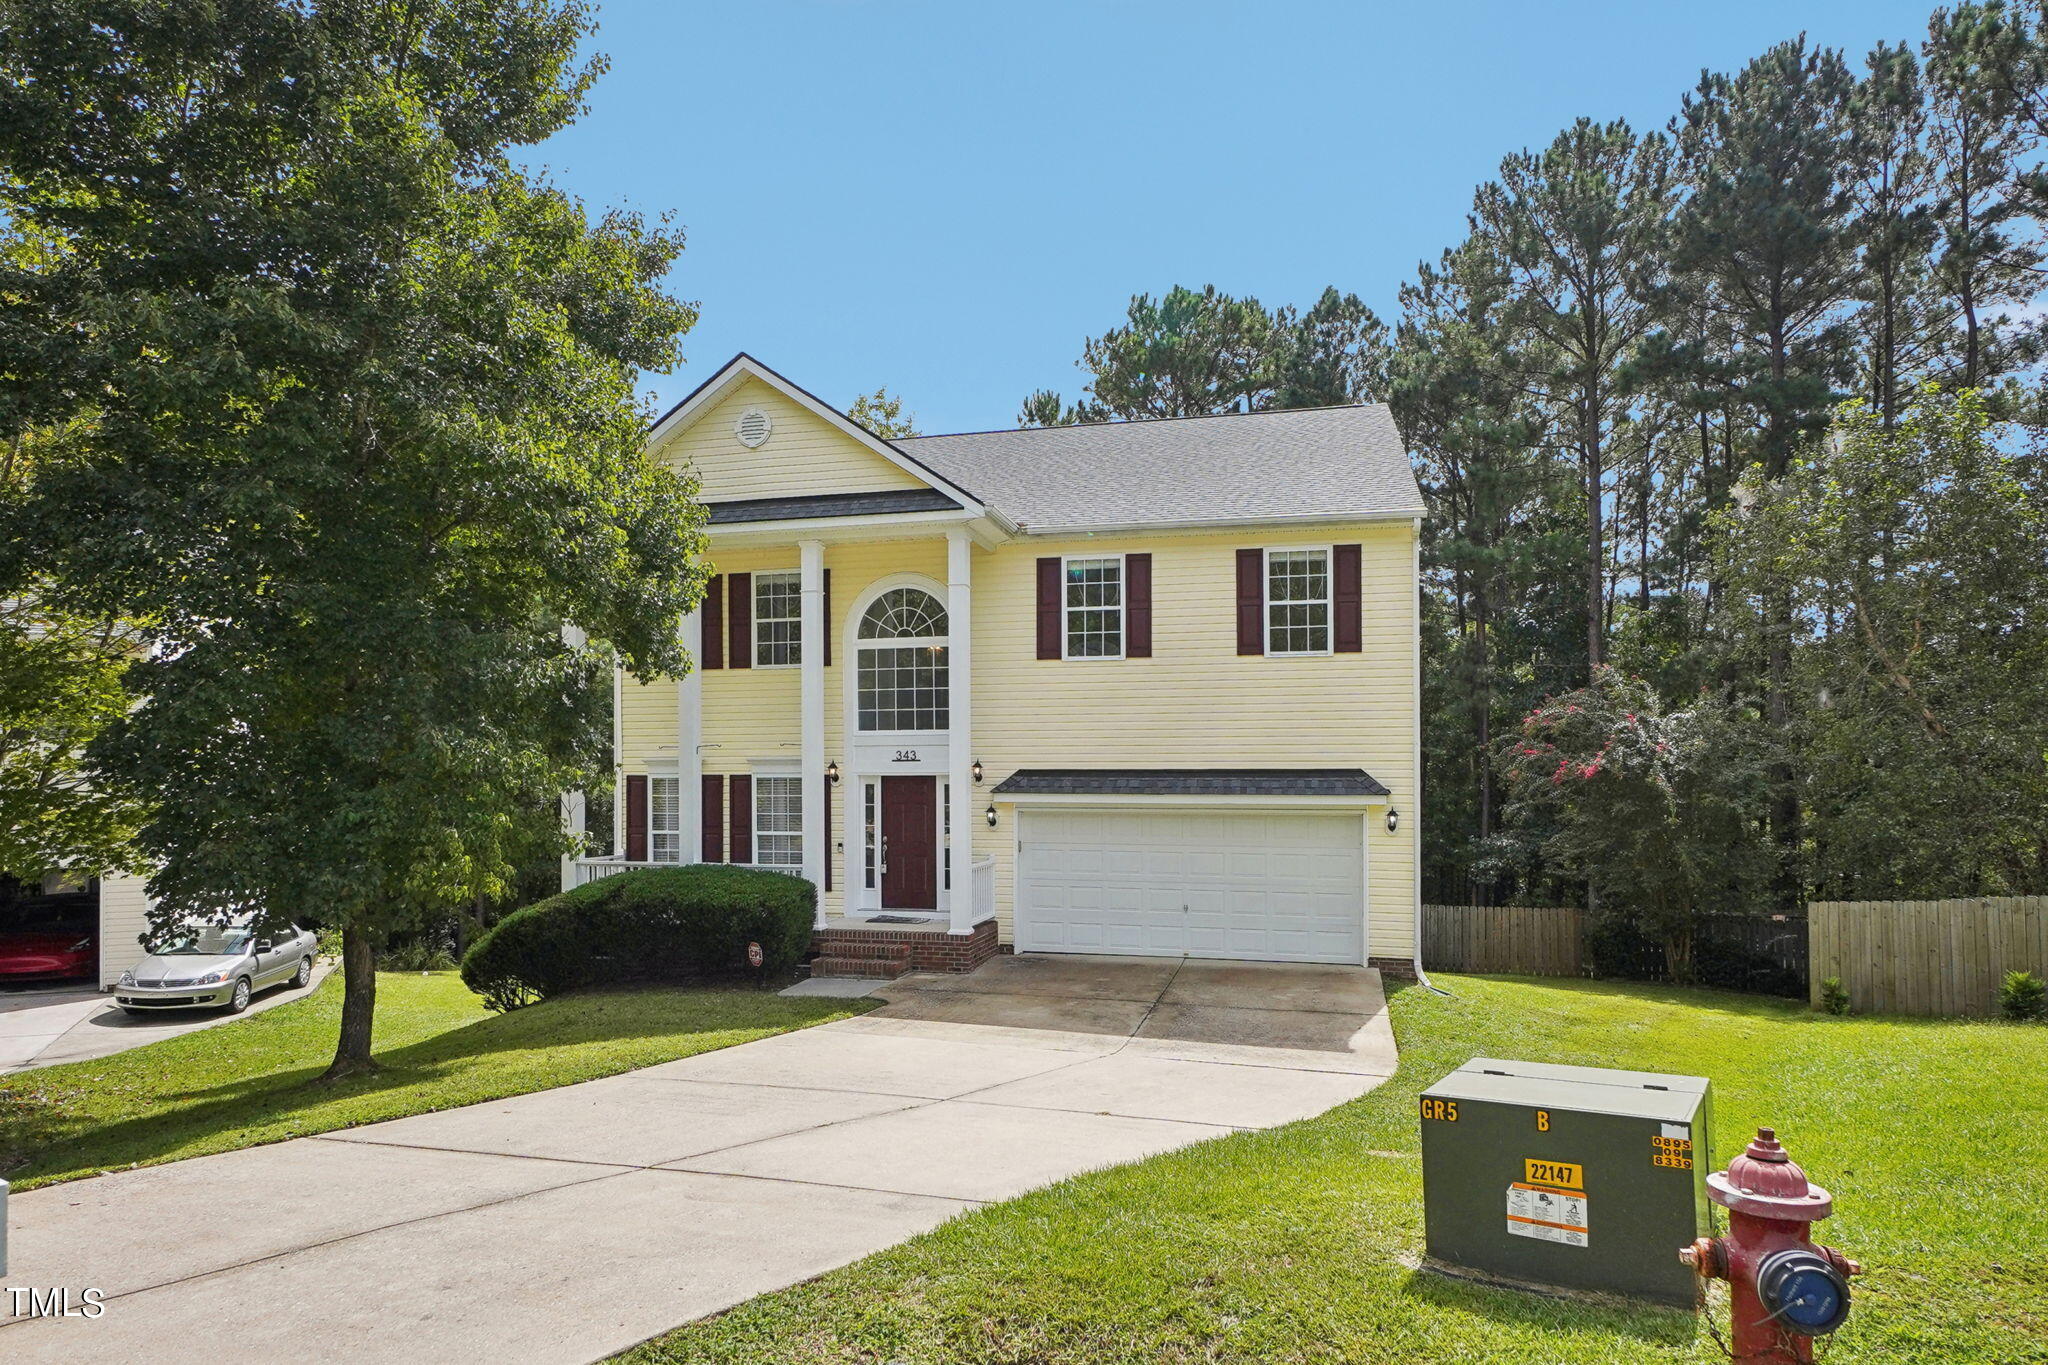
(358, 1006)
(1596, 586)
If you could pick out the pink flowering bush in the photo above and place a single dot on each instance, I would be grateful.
(1651, 806)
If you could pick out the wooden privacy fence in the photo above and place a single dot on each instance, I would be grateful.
(1925, 957)
(1516, 940)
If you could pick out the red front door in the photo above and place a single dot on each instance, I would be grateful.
(910, 843)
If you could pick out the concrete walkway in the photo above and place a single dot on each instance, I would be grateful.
(569, 1224)
(48, 1027)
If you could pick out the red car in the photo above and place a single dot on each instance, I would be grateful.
(37, 957)
(49, 942)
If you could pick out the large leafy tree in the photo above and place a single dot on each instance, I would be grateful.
(354, 433)
(1916, 558)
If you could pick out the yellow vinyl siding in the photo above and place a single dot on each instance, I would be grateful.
(804, 454)
(752, 715)
(1197, 703)
(1194, 704)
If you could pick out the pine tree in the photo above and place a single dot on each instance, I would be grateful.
(1985, 265)
(1580, 228)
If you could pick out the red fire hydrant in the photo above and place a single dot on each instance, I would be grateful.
(1786, 1289)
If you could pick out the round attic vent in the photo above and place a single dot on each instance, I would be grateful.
(752, 428)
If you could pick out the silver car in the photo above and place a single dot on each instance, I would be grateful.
(216, 964)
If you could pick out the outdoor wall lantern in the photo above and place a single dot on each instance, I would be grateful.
(1393, 821)
(991, 813)
(832, 773)
(977, 770)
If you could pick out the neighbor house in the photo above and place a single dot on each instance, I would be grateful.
(1129, 688)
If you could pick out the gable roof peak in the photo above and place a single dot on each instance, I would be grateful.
(743, 367)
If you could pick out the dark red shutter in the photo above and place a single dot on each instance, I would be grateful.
(825, 645)
(713, 819)
(1049, 590)
(712, 623)
(1137, 606)
(742, 818)
(1251, 601)
(1348, 600)
(636, 819)
(739, 619)
(828, 835)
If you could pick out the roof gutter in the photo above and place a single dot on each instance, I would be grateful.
(1208, 523)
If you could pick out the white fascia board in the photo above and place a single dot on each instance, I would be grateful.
(1073, 801)
(1215, 523)
(743, 367)
(835, 530)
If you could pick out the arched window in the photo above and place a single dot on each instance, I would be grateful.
(902, 679)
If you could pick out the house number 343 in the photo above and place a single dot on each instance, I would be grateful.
(906, 755)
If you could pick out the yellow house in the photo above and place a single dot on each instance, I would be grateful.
(1130, 688)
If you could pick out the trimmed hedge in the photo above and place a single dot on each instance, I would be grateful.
(693, 921)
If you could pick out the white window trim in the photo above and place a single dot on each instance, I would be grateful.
(777, 772)
(754, 619)
(1123, 610)
(677, 805)
(854, 644)
(1329, 554)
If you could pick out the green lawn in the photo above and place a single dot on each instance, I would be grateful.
(247, 1082)
(1297, 1244)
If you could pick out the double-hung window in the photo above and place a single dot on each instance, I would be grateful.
(778, 620)
(779, 822)
(1297, 601)
(664, 820)
(1093, 612)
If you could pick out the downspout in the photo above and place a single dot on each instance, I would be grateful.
(1415, 825)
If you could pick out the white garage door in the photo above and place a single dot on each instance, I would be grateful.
(1284, 886)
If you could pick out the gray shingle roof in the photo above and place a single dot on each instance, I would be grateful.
(1190, 782)
(830, 505)
(1306, 463)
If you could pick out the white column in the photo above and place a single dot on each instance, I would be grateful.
(811, 576)
(690, 744)
(574, 811)
(960, 734)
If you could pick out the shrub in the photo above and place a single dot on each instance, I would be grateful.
(654, 923)
(1833, 998)
(2022, 995)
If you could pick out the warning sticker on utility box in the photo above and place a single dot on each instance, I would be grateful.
(1547, 1214)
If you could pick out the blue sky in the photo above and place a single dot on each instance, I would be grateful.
(947, 198)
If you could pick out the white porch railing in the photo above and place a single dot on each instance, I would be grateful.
(583, 871)
(984, 887)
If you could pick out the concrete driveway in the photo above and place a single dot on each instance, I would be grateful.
(569, 1224)
(45, 1027)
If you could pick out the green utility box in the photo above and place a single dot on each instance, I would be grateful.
(1566, 1175)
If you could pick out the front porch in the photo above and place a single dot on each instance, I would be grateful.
(873, 945)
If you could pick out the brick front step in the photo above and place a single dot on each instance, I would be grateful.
(853, 945)
(862, 968)
(917, 949)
